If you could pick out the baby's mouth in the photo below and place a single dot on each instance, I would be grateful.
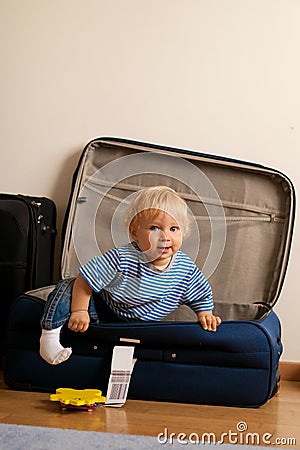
(163, 249)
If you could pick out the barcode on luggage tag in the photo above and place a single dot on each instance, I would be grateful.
(119, 384)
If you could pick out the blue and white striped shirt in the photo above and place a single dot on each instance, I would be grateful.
(135, 290)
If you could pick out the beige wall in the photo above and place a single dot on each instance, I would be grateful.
(219, 76)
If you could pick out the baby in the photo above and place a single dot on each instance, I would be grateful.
(145, 280)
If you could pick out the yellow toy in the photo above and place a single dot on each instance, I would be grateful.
(83, 399)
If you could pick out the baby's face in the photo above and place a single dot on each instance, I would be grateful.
(159, 237)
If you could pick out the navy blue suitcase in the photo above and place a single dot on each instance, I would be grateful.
(241, 236)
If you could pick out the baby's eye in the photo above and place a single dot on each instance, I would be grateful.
(173, 229)
(154, 228)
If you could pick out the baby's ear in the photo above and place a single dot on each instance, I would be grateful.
(132, 233)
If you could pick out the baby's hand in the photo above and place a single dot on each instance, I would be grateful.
(79, 321)
(208, 321)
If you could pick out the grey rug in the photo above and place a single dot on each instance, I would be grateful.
(20, 437)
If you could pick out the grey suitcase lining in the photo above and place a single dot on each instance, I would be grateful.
(258, 206)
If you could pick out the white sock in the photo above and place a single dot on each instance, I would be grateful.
(50, 348)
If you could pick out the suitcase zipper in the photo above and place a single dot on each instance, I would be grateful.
(37, 205)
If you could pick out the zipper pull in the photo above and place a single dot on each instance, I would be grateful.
(37, 205)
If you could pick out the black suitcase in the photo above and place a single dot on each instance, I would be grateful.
(244, 215)
(27, 239)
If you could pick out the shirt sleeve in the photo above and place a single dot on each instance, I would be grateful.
(198, 294)
(101, 271)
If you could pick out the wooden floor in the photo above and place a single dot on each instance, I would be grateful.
(277, 422)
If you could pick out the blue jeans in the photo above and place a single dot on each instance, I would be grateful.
(57, 309)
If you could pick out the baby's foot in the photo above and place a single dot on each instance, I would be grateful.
(50, 348)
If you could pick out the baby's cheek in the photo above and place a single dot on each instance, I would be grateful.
(153, 238)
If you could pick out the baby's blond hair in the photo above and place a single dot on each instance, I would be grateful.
(151, 201)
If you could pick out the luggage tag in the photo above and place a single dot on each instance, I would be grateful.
(121, 368)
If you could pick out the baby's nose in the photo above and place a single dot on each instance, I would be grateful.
(164, 235)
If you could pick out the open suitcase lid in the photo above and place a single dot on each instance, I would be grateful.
(243, 214)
